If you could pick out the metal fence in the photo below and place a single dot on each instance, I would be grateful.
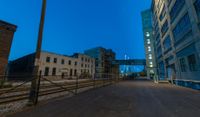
(13, 91)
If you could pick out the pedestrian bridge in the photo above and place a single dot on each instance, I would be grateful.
(131, 62)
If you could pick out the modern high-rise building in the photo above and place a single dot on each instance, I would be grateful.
(6, 36)
(151, 66)
(104, 58)
(176, 26)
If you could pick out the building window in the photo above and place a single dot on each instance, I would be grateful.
(182, 27)
(82, 58)
(48, 59)
(46, 72)
(197, 7)
(164, 28)
(53, 71)
(167, 43)
(158, 37)
(150, 56)
(81, 65)
(192, 62)
(75, 63)
(159, 51)
(176, 9)
(161, 70)
(71, 70)
(55, 60)
(149, 48)
(147, 34)
(183, 65)
(75, 72)
(62, 61)
(148, 41)
(69, 62)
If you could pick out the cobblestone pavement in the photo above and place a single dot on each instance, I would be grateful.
(140, 98)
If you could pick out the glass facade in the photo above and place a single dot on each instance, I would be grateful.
(192, 62)
(197, 7)
(183, 64)
(176, 9)
(177, 40)
(165, 27)
(161, 70)
(159, 52)
(182, 27)
(167, 43)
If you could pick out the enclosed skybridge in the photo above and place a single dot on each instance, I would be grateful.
(141, 62)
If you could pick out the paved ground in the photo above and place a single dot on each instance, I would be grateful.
(126, 99)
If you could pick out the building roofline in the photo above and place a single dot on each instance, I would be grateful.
(8, 25)
(44, 51)
(99, 47)
(70, 56)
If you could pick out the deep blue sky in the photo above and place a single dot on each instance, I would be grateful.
(75, 25)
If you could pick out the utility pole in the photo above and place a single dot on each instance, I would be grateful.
(35, 73)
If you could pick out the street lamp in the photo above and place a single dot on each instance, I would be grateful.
(34, 83)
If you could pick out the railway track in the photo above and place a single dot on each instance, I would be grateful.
(43, 85)
(23, 93)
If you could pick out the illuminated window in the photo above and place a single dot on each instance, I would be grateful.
(147, 34)
(148, 41)
(151, 71)
(150, 56)
(149, 48)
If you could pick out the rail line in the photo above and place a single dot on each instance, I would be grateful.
(23, 93)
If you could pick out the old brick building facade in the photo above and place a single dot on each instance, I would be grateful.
(6, 36)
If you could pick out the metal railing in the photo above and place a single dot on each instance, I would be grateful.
(45, 86)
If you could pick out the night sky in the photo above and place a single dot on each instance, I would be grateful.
(75, 25)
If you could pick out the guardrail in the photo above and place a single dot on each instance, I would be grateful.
(47, 87)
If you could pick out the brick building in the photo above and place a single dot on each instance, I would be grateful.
(6, 36)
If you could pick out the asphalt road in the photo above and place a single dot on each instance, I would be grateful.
(127, 99)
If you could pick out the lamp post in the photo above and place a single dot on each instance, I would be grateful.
(34, 83)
